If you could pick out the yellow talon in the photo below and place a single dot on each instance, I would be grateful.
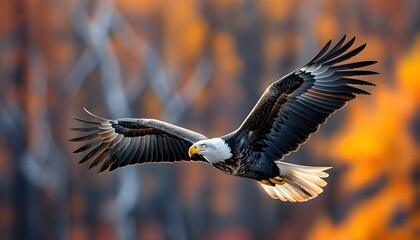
(278, 180)
(273, 181)
(266, 182)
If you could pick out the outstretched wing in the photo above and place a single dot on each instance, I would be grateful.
(127, 141)
(292, 108)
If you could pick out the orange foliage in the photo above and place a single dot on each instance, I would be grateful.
(275, 11)
(408, 72)
(225, 55)
(326, 25)
(376, 142)
(139, 8)
(185, 32)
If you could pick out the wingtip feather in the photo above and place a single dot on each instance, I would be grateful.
(93, 115)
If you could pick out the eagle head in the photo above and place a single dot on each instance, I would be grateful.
(213, 150)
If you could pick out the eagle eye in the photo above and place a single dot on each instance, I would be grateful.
(204, 145)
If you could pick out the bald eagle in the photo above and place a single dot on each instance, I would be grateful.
(288, 112)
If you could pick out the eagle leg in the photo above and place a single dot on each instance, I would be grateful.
(278, 180)
(273, 181)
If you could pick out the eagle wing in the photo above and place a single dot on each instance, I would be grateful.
(127, 141)
(293, 107)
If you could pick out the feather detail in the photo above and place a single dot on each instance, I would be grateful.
(301, 183)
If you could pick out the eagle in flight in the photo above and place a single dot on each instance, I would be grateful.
(288, 112)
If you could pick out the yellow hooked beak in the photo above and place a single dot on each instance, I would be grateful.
(193, 150)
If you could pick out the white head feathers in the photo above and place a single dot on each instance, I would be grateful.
(214, 150)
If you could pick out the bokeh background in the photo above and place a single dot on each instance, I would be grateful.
(202, 65)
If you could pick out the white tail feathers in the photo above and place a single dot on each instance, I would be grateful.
(301, 182)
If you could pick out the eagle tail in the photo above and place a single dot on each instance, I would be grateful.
(296, 182)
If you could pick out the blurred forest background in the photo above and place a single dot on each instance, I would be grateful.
(202, 65)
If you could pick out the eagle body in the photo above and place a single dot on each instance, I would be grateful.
(289, 111)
